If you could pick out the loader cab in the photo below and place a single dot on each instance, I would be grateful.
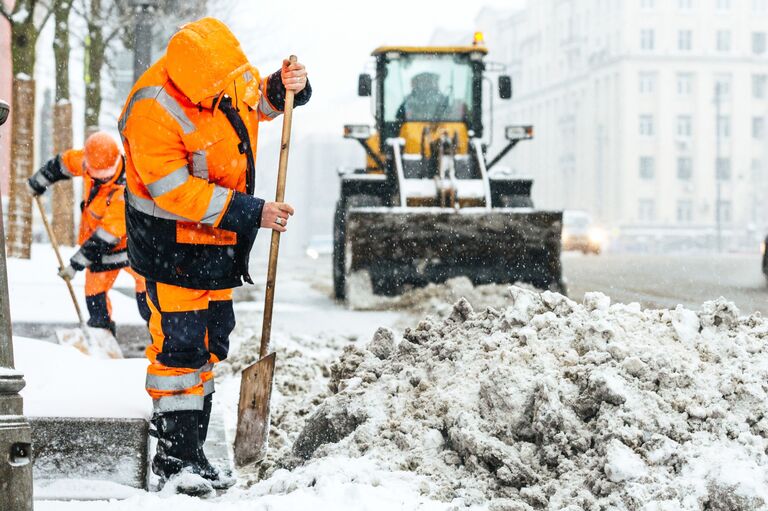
(427, 87)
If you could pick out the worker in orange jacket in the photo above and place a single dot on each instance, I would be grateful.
(102, 237)
(189, 129)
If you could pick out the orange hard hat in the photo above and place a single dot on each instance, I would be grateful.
(102, 155)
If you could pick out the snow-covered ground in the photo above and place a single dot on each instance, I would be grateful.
(310, 332)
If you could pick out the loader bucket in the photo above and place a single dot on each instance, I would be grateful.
(405, 248)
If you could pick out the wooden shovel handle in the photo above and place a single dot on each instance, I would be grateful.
(274, 247)
(55, 245)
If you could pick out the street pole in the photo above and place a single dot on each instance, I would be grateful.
(15, 433)
(718, 177)
(142, 36)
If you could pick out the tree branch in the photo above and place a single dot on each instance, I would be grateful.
(46, 17)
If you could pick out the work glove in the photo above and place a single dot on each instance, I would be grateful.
(67, 273)
(35, 189)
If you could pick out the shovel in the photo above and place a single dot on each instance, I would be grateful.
(84, 339)
(256, 382)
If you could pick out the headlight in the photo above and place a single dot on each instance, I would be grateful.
(518, 132)
(358, 131)
(596, 236)
(762, 248)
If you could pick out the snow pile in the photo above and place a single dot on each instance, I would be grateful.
(551, 404)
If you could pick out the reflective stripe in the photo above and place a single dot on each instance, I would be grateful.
(80, 259)
(178, 402)
(177, 382)
(148, 207)
(169, 183)
(206, 368)
(63, 168)
(167, 101)
(216, 206)
(105, 236)
(119, 257)
(209, 387)
(247, 76)
(264, 105)
(200, 165)
(40, 179)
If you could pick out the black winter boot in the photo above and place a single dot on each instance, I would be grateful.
(177, 447)
(219, 479)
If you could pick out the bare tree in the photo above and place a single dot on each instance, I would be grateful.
(27, 18)
(63, 193)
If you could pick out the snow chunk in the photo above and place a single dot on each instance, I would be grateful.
(623, 464)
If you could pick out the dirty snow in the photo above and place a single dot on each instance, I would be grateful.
(551, 404)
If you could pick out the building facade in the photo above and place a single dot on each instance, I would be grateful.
(642, 110)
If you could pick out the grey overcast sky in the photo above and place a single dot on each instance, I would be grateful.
(334, 39)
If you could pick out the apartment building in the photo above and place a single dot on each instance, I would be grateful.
(643, 109)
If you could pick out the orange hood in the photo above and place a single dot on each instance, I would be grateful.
(204, 58)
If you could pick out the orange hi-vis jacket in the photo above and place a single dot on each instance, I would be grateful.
(189, 129)
(102, 237)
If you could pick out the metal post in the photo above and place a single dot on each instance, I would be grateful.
(142, 36)
(15, 434)
(718, 177)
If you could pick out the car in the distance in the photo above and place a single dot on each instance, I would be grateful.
(581, 233)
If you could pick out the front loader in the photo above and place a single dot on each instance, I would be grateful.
(425, 209)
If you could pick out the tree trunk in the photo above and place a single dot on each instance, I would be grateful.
(95, 48)
(63, 192)
(23, 38)
(22, 166)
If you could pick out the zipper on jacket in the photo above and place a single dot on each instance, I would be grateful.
(225, 105)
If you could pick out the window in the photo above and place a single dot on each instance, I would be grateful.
(723, 42)
(684, 211)
(723, 128)
(685, 4)
(759, 86)
(646, 210)
(646, 83)
(723, 5)
(647, 4)
(647, 164)
(684, 40)
(646, 125)
(647, 39)
(758, 127)
(684, 168)
(726, 211)
(758, 43)
(684, 84)
(722, 86)
(684, 126)
(723, 169)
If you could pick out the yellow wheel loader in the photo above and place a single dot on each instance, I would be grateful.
(425, 208)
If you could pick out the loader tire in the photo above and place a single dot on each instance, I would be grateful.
(340, 239)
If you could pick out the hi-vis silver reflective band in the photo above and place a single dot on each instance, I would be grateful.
(105, 236)
(81, 259)
(199, 164)
(148, 207)
(171, 383)
(168, 183)
(40, 179)
(264, 106)
(119, 257)
(181, 382)
(178, 402)
(167, 101)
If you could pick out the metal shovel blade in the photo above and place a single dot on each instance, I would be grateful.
(253, 412)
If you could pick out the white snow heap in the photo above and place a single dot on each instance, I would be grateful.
(551, 404)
